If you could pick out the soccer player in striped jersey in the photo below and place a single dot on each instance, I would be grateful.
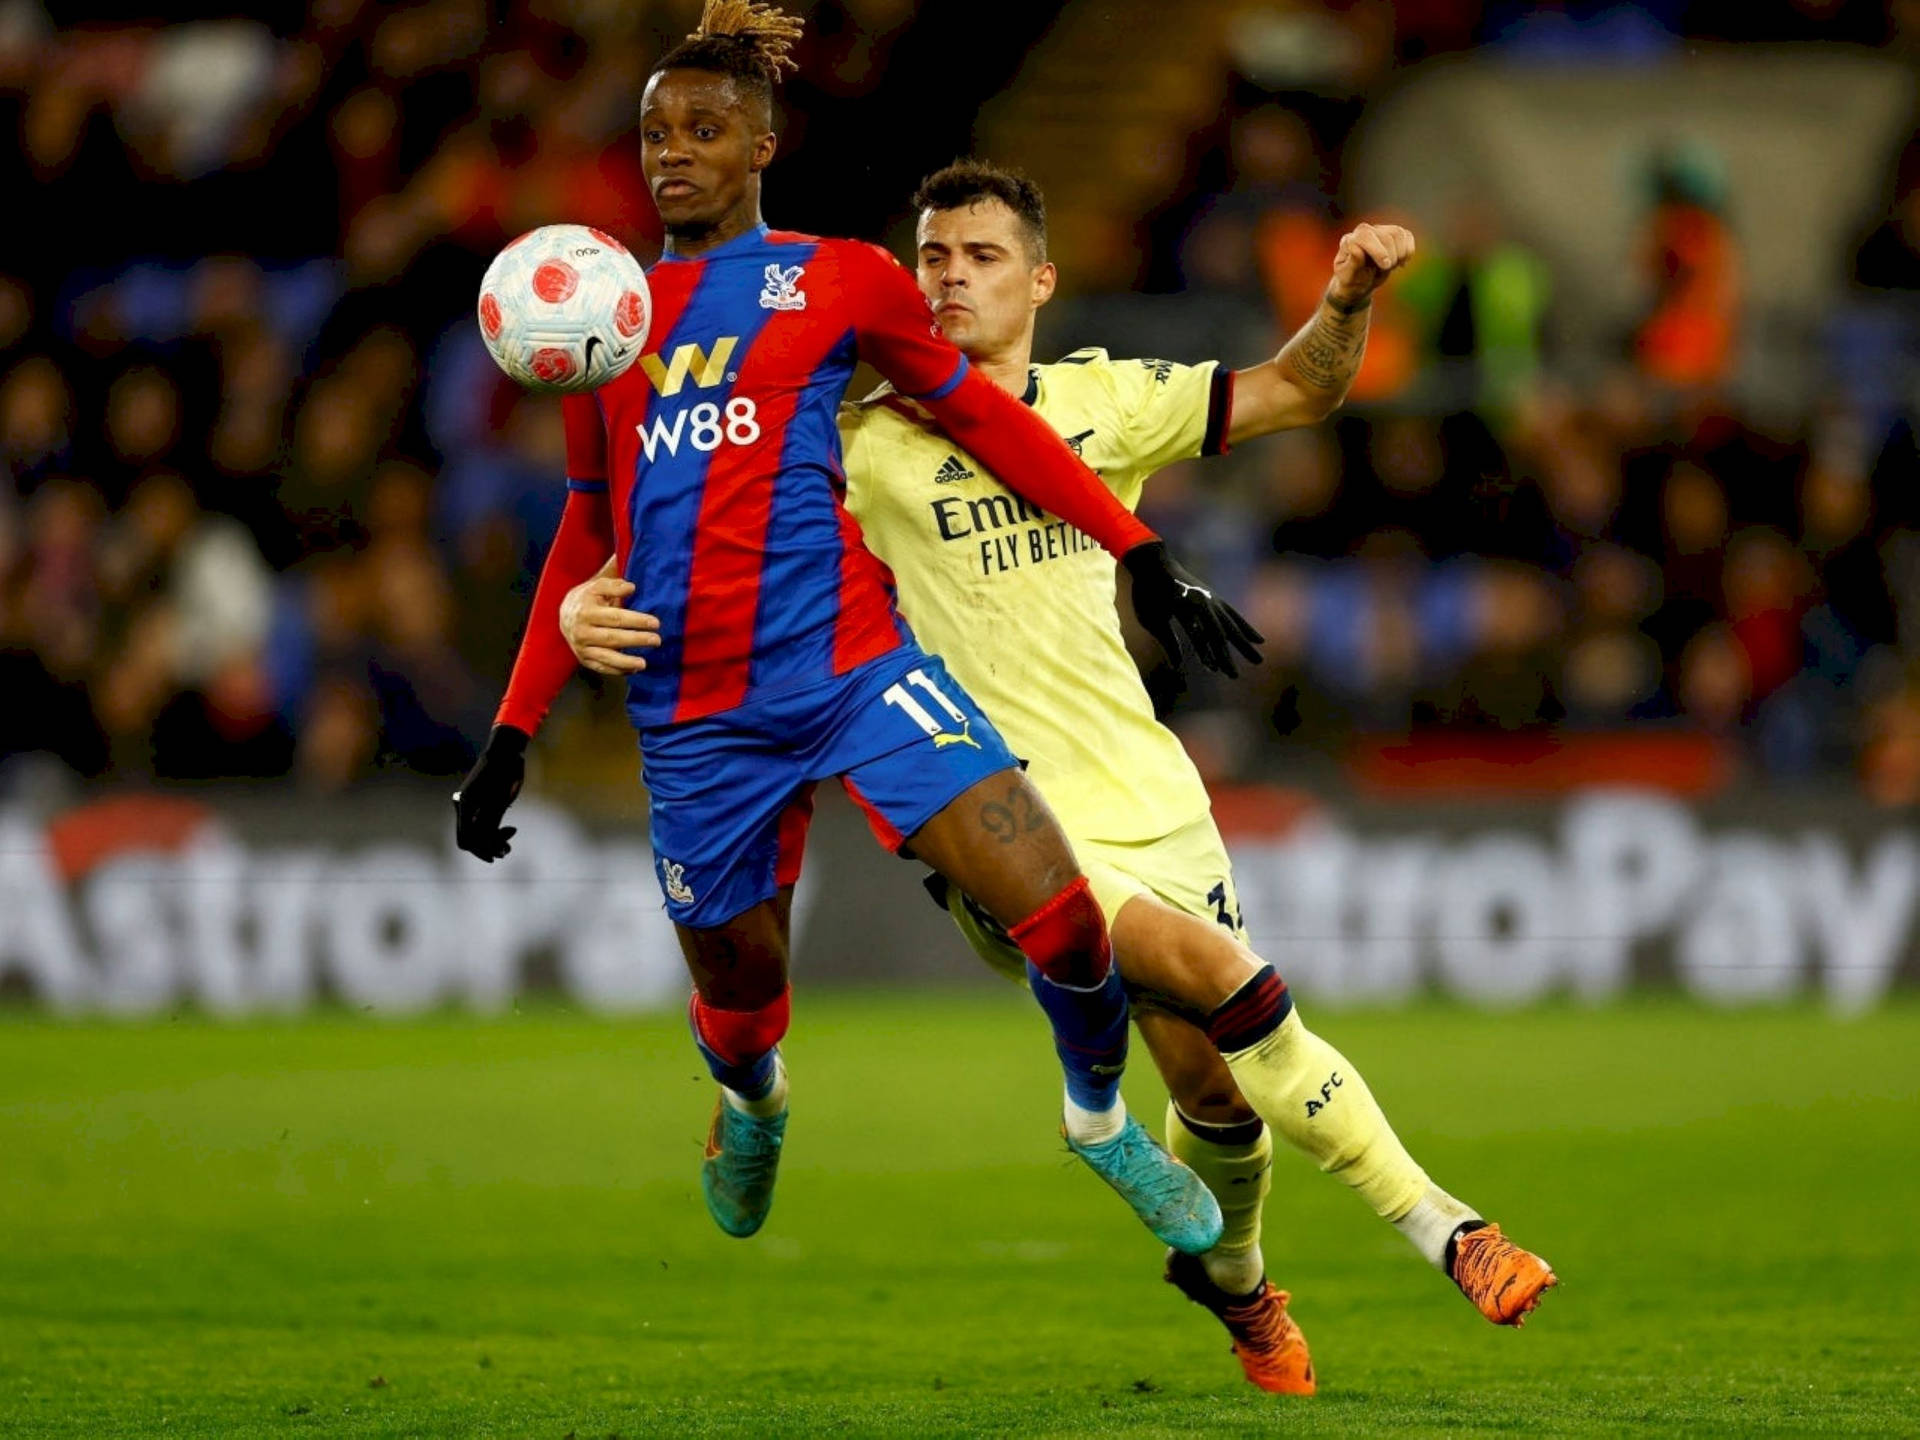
(712, 469)
(975, 563)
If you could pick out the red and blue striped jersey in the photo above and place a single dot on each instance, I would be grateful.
(720, 453)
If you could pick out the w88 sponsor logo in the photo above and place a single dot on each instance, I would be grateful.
(704, 427)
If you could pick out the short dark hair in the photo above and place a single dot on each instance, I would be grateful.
(966, 182)
(748, 42)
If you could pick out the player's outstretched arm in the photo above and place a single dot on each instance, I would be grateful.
(540, 669)
(544, 662)
(898, 335)
(1310, 376)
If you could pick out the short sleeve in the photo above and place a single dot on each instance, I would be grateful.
(1171, 412)
(586, 442)
(895, 328)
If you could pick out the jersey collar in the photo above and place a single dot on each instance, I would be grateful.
(744, 240)
(1032, 393)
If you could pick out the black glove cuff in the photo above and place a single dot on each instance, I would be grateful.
(508, 740)
(1148, 555)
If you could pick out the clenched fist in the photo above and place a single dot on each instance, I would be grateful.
(1368, 254)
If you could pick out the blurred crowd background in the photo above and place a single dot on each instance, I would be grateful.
(1634, 459)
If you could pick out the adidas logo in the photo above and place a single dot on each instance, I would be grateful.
(951, 472)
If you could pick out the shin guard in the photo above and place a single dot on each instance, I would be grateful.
(1316, 1101)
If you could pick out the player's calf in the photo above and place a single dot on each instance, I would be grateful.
(998, 842)
(1314, 1096)
(741, 1048)
(1070, 968)
(1067, 938)
(1234, 1162)
(1214, 1132)
(1311, 1094)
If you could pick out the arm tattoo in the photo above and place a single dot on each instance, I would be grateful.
(1325, 354)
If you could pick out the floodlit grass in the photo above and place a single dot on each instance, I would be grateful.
(459, 1227)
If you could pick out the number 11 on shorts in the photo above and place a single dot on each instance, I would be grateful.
(898, 695)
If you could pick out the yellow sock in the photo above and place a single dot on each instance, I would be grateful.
(1306, 1090)
(1239, 1177)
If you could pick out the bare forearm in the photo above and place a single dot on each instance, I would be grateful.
(1324, 355)
(1310, 377)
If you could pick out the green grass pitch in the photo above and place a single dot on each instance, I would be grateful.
(493, 1228)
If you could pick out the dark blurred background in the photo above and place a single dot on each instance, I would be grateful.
(1630, 474)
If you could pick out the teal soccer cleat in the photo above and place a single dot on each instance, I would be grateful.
(743, 1159)
(1169, 1198)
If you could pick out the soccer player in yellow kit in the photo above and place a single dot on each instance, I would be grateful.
(1022, 606)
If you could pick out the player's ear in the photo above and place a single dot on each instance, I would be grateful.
(1045, 279)
(761, 156)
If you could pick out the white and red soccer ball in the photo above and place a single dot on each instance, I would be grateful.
(565, 307)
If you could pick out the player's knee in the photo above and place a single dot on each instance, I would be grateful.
(1212, 962)
(1066, 938)
(741, 1036)
(742, 964)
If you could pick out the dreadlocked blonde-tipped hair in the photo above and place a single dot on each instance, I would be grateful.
(745, 39)
(769, 29)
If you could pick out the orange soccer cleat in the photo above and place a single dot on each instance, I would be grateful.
(1502, 1280)
(1266, 1340)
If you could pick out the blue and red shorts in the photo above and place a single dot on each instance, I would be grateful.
(731, 794)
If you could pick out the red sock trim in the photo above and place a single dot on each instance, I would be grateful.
(1066, 938)
(740, 1037)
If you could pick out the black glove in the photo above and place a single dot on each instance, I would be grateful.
(1165, 593)
(481, 802)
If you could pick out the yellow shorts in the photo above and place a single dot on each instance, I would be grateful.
(1188, 870)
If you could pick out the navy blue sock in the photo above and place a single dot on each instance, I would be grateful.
(1089, 1035)
(750, 1080)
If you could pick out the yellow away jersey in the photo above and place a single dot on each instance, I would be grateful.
(1021, 605)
